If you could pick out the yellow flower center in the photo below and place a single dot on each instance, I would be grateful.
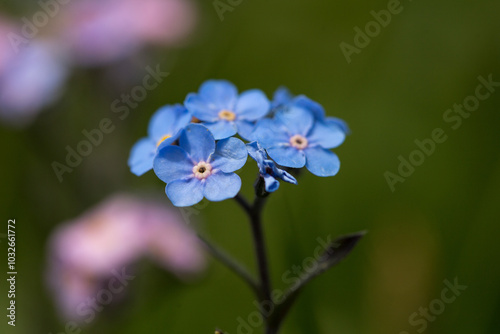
(299, 142)
(202, 170)
(162, 139)
(227, 115)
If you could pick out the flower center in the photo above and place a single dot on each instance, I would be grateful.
(162, 139)
(299, 142)
(202, 170)
(227, 115)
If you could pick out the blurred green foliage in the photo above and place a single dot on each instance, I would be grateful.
(441, 223)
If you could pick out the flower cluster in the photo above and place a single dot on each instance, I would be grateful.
(193, 148)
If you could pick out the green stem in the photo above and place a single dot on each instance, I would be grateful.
(231, 264)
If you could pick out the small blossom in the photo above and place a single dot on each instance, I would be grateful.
(224, 112)
(295, 139)
(164, 128)
(284, 99)
(199, 167)
(268, 169)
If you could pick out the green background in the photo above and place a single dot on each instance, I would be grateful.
(441, 223)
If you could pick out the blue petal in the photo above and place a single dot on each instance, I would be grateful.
(222, 129)
(252, 105)
(221, 186)
(230, 155)
(339, 122)
(220, 94)
(283, 175)
(287, 156)
(200, 108)
(295, 120)
(268, 134)
(141, 156)
(256, 152)
(322, 162)
(326, 135)
(168, 120)
(172, 163)
(282, 96)
(185, 192)
(245, 129)
(168, 141)
(197, 141)
(271, 183)
(308, 104)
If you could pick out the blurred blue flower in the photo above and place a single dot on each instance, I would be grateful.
(224, 112)
(164, 128)
(268, 169)
(283, 99)
(199, 167)
(294, 138)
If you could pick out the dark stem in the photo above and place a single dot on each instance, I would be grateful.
(260, 249)
(254, 212)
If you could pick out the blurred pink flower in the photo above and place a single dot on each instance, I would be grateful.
(85, 32)
(89, 250)
(100, 31)
(30, 80)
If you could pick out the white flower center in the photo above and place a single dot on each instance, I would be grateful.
(299, 142)
(202, 170)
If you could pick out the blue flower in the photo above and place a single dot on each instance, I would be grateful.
(199, 167)
(283, 99)
(223, 111)
(164, 128)
(295, 139)
(267, 168)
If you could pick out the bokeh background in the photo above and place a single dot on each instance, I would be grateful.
(442, 223)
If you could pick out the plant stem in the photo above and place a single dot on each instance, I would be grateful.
(230, 263)
(254, 212)
(260, 249)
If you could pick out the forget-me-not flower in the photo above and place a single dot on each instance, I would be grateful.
(268, 169)
(294, 138)
(199, 167)
(224, 112)
(164, 128)
(283, 99)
